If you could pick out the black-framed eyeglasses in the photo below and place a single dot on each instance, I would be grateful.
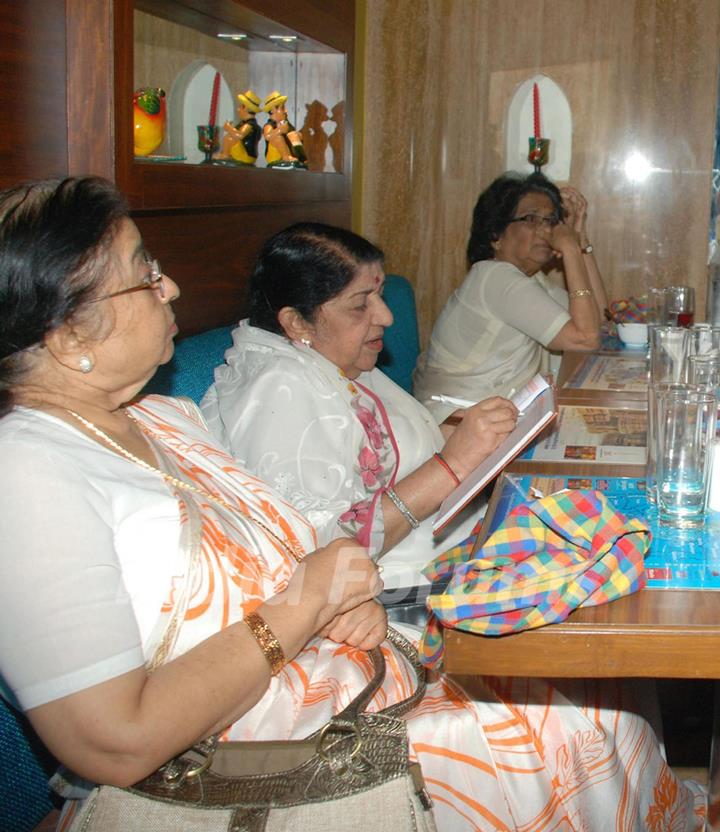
(537, 220)
(153, 281)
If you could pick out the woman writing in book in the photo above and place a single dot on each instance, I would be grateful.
(494, 330)
(300, 402)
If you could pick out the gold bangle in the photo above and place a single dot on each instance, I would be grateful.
(579, 293)
(267, 642)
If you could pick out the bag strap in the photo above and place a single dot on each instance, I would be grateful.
(199, 758)
(361, 701)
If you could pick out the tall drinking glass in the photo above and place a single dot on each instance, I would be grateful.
(704, 370)
(654, 392)
(655, 311)
(669, 350)
(680, 305)
(685, 431)
(705, 339)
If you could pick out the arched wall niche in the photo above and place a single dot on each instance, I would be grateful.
(555, 124)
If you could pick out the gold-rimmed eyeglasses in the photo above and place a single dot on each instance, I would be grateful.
(537, 220)
(153, 281)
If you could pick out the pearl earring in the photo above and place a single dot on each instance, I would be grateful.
(306, 341)
(85, 363)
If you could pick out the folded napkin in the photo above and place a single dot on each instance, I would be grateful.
(548, 557)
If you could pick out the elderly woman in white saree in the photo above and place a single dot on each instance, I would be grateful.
(300, 402)
(153, 593)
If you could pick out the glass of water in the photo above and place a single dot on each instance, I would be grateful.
(684, 432)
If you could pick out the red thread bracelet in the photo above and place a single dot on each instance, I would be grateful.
(450, 471)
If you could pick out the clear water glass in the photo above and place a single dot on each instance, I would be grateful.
(704, 370)
(680, 305)
(654, 391)
(655, 310)
(669, 349)
(704, 339)
(684, 433)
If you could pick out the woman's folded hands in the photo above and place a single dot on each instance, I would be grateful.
(363, 626)
(333, 581)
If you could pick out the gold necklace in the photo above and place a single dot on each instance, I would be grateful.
(178, 483)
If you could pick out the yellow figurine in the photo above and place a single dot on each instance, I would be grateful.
(240, 141)
(148, 120)
(283, 144)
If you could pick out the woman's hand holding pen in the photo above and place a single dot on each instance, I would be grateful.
(481, 429)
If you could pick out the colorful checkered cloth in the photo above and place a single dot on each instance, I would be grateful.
(548, 557)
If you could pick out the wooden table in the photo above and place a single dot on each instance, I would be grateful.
(653, 633)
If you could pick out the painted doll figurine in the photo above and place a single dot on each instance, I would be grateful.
(240, 141)
(283, 144)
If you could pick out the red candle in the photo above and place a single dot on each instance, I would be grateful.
(214, 100)
(536, 112)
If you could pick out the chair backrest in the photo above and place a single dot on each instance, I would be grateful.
(401, 342)
(26, 766)
(190, 371)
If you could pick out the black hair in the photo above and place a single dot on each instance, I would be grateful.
(304, 266)
(496, 206)
(52, 236)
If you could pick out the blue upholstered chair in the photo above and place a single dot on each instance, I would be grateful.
(401, 340)
(190, 372)
(26, 766)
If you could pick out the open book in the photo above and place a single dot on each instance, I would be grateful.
(537, 408)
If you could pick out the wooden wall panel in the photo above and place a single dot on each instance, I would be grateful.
(89, 78)
(210, 254)
(640, 76)
(33, 119)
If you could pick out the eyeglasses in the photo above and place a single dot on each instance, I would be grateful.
(153, 281)
(536, 220)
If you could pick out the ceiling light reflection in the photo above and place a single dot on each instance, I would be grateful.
(637, 167)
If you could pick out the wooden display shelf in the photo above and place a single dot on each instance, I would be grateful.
(177, 186)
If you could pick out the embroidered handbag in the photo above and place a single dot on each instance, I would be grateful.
(353, 773)
(548, 557)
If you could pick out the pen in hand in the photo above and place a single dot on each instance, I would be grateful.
(454, 400)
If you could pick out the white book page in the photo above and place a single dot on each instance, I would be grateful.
(539, 412)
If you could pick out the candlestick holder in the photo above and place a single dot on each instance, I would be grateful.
(208, 141)
(539, 152)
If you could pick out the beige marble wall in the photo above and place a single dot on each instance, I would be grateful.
(640, 76)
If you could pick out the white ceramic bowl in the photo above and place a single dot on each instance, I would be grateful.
(633, 335)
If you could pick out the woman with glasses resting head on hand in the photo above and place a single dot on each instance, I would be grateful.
(300, 402)
(153, 593)
(491, 335)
